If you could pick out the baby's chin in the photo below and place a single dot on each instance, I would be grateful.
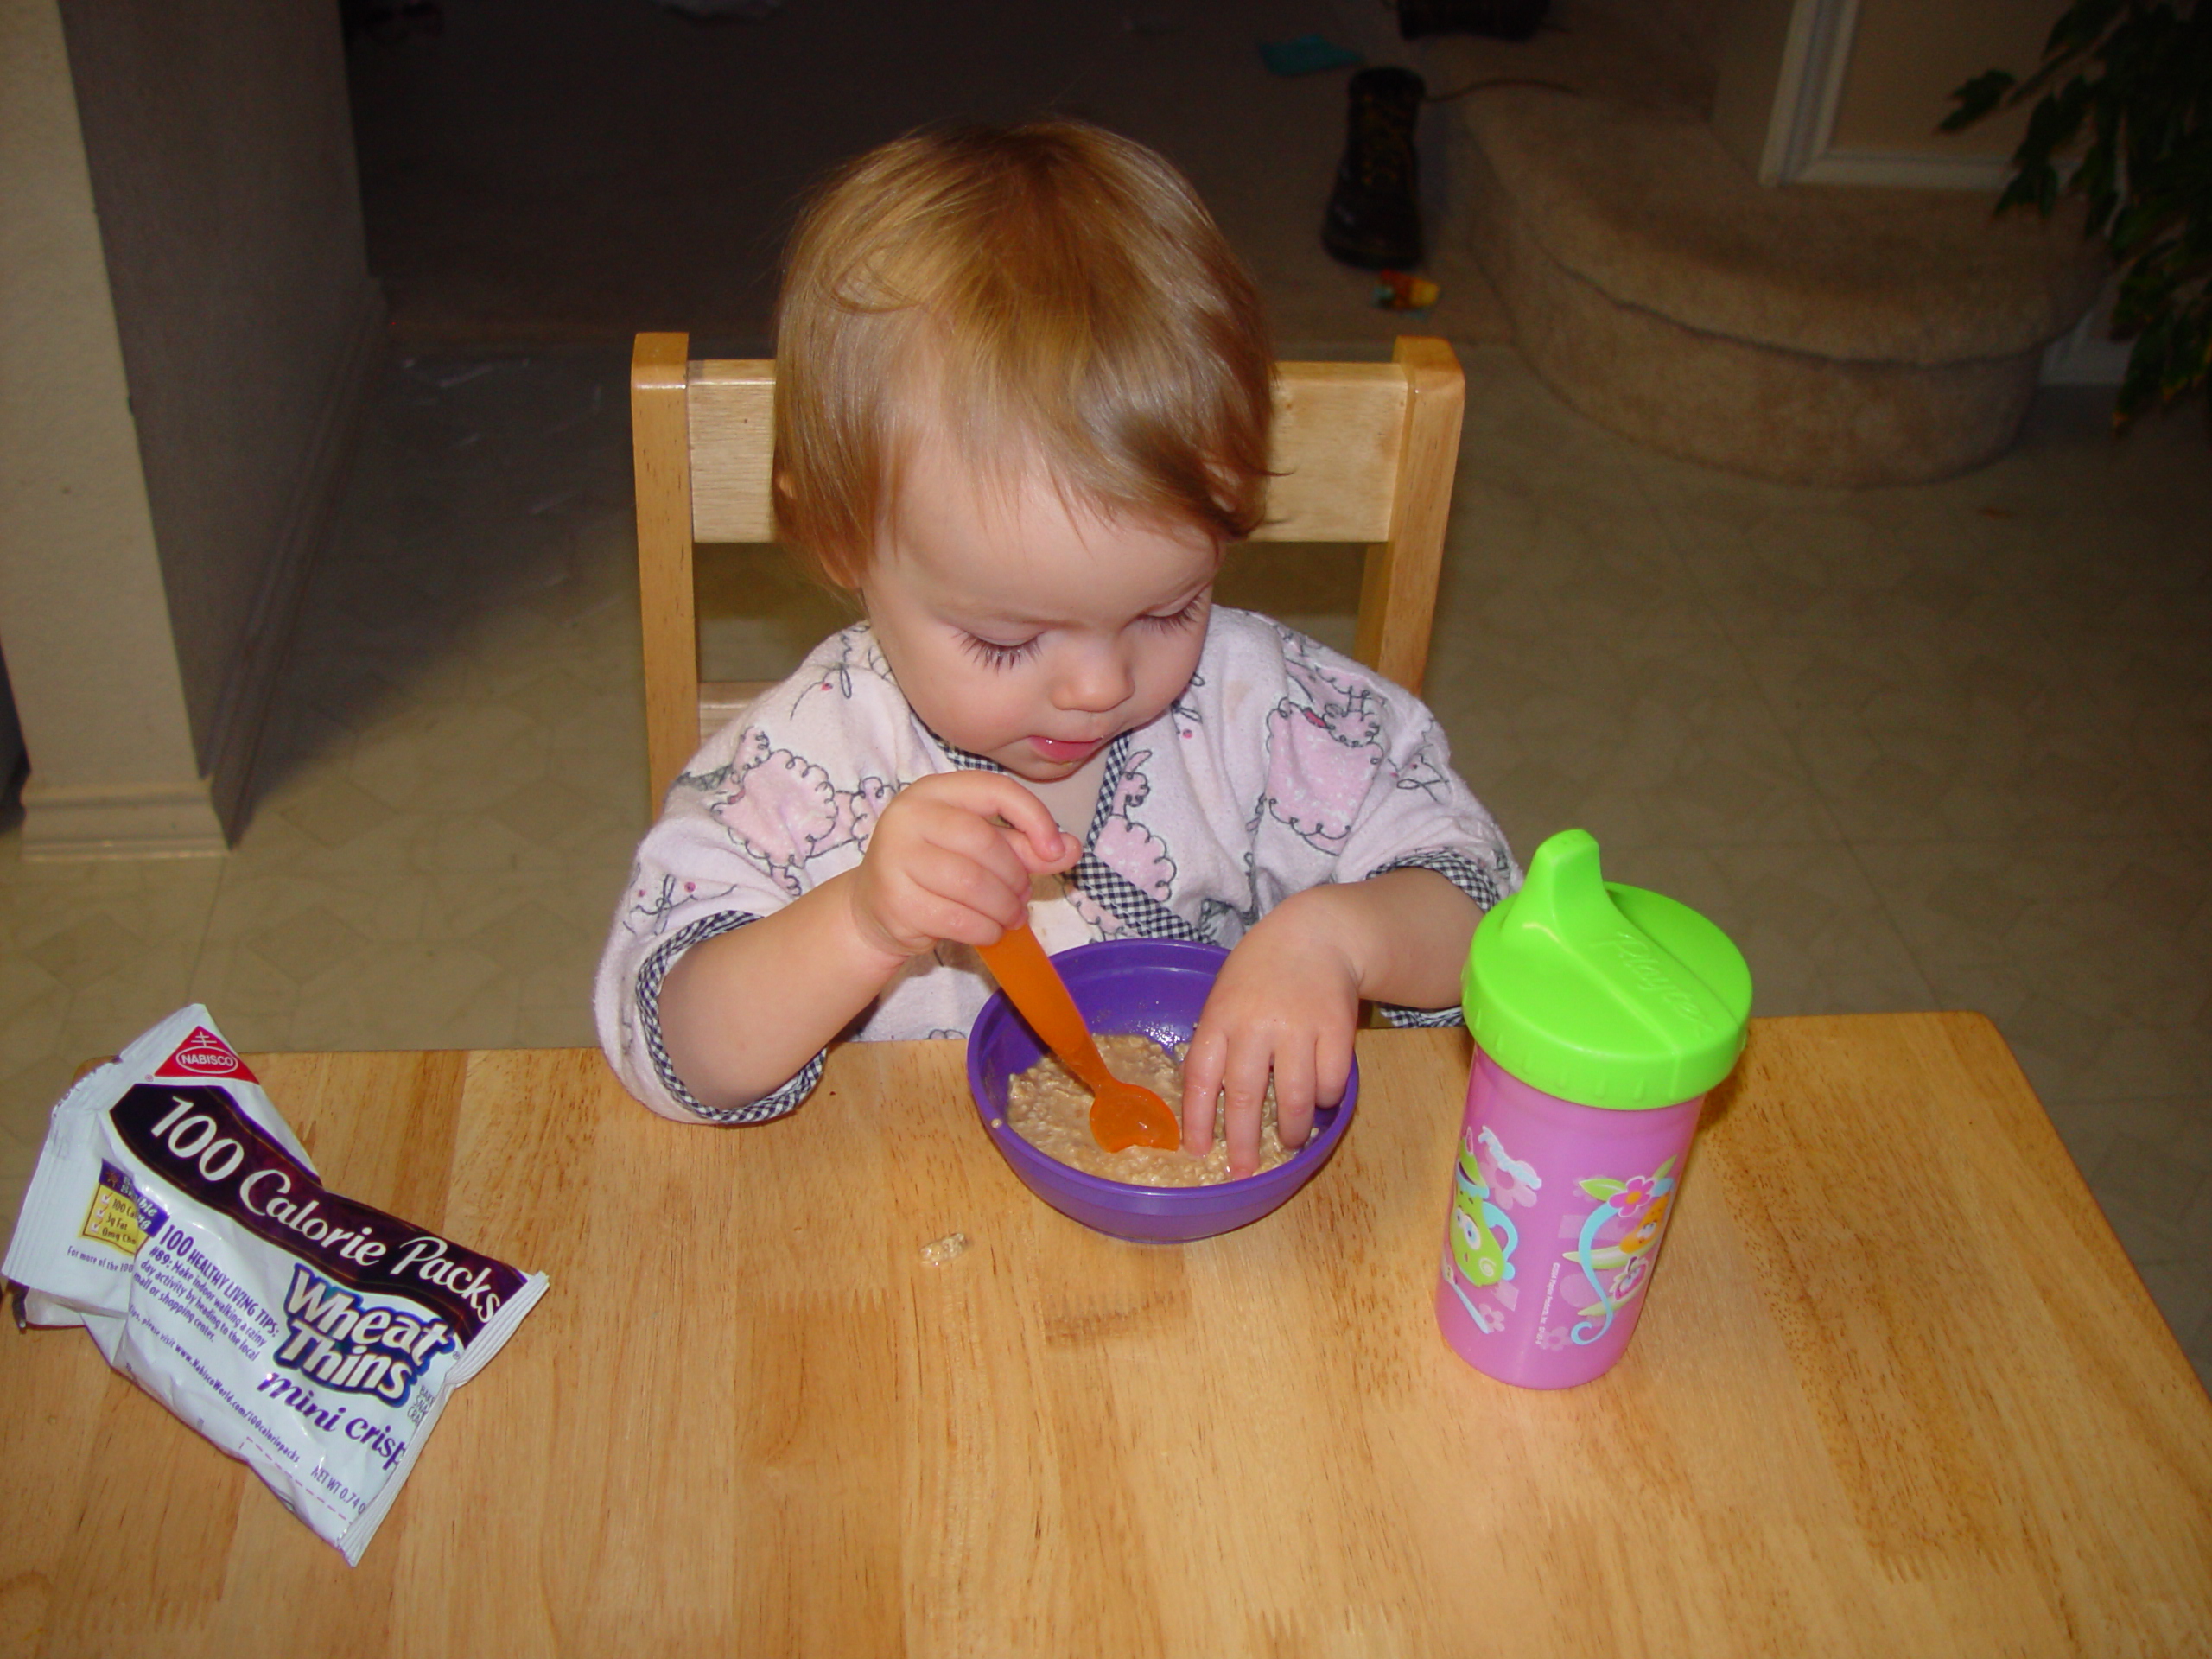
(1030, 769)
(1036, 763)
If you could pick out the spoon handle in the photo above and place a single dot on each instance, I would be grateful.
(1018, 962)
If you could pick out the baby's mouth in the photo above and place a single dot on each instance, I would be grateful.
(1064, 749)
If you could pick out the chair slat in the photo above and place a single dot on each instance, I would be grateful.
(1397, 593)
(1338, 430)
(1330, 487)
(661, 462)
(732, 422)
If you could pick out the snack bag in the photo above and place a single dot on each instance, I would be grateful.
(177, 1218)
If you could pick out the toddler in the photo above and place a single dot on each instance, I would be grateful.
(1023, 404)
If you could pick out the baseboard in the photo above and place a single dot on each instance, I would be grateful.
(1909, 169)
(119, 821)
(243, 710)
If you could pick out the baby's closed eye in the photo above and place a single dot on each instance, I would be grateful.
(991, 654)
(1183, 618)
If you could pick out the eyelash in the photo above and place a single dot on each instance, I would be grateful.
(992, 655)
(1182, 619)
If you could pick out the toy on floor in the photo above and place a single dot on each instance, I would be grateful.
(1397, 290)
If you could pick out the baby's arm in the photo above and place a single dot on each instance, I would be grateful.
(742, 1011)
(1287, 1001)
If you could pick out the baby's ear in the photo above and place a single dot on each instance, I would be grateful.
(835, 571)
(840, 570)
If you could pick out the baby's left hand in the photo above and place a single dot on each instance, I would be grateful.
(1286, 1002)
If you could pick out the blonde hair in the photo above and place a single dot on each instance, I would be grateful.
(1056, 295)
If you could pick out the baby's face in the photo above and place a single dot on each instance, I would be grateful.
(1027, 630)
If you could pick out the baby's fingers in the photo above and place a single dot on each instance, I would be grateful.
(1244, 1092)
(1040, 843)
(1294, 1100)
(1309, 1079)
(1202, 1065)
(1226, 1073)
(970, 895)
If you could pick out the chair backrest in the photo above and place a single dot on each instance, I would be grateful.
(1365, 453)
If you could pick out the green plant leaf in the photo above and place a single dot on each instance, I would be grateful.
(1976, 99)
(2080, 26)
(1598, 1186)
(2138, 222)
(2138, 74)
(2146, 293)
(2146, 372)
(2055, 120)
(2018, 194)
(2098, 179)
(2184, 366)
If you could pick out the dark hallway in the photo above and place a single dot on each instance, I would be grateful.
(572, 170)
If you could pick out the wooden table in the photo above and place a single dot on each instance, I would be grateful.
(1898, 1392)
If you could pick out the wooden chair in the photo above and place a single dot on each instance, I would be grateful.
(1365, 453)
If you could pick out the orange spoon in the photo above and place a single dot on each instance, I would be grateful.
(1122, 1113)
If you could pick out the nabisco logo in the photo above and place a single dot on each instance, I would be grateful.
(204, 1054)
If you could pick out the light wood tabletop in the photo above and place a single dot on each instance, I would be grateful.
(1896, 1392)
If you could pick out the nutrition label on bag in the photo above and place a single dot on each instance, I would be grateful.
(120, 1216)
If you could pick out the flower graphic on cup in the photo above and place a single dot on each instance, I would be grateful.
(1513, 1184)
(1627, 1259)
(1636, 1192)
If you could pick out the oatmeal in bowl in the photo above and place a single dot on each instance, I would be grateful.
(1149, 992)
(1050, 1108)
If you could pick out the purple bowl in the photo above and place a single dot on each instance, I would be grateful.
(1155, 987)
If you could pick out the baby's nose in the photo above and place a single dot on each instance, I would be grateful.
(1093, 682)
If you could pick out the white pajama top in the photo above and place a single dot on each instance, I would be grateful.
(1282, 766)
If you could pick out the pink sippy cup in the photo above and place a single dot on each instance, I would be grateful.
(1601, 1015)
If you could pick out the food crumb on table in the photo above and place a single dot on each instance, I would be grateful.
(939, 1251)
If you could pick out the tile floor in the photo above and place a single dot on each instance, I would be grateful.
(1948, 746)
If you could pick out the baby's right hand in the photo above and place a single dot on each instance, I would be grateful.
(952, 858)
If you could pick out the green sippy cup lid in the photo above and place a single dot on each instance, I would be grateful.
(1601, 994)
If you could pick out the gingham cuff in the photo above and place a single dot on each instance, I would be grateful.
(1479, 885)
(772, 1105)
(1462, 872)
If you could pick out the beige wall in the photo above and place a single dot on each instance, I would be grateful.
(83, 616)
(196, 300)
(1700, 25)
(1906, 57)
(1890, 67)
(221, 155)
(1748, 64)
